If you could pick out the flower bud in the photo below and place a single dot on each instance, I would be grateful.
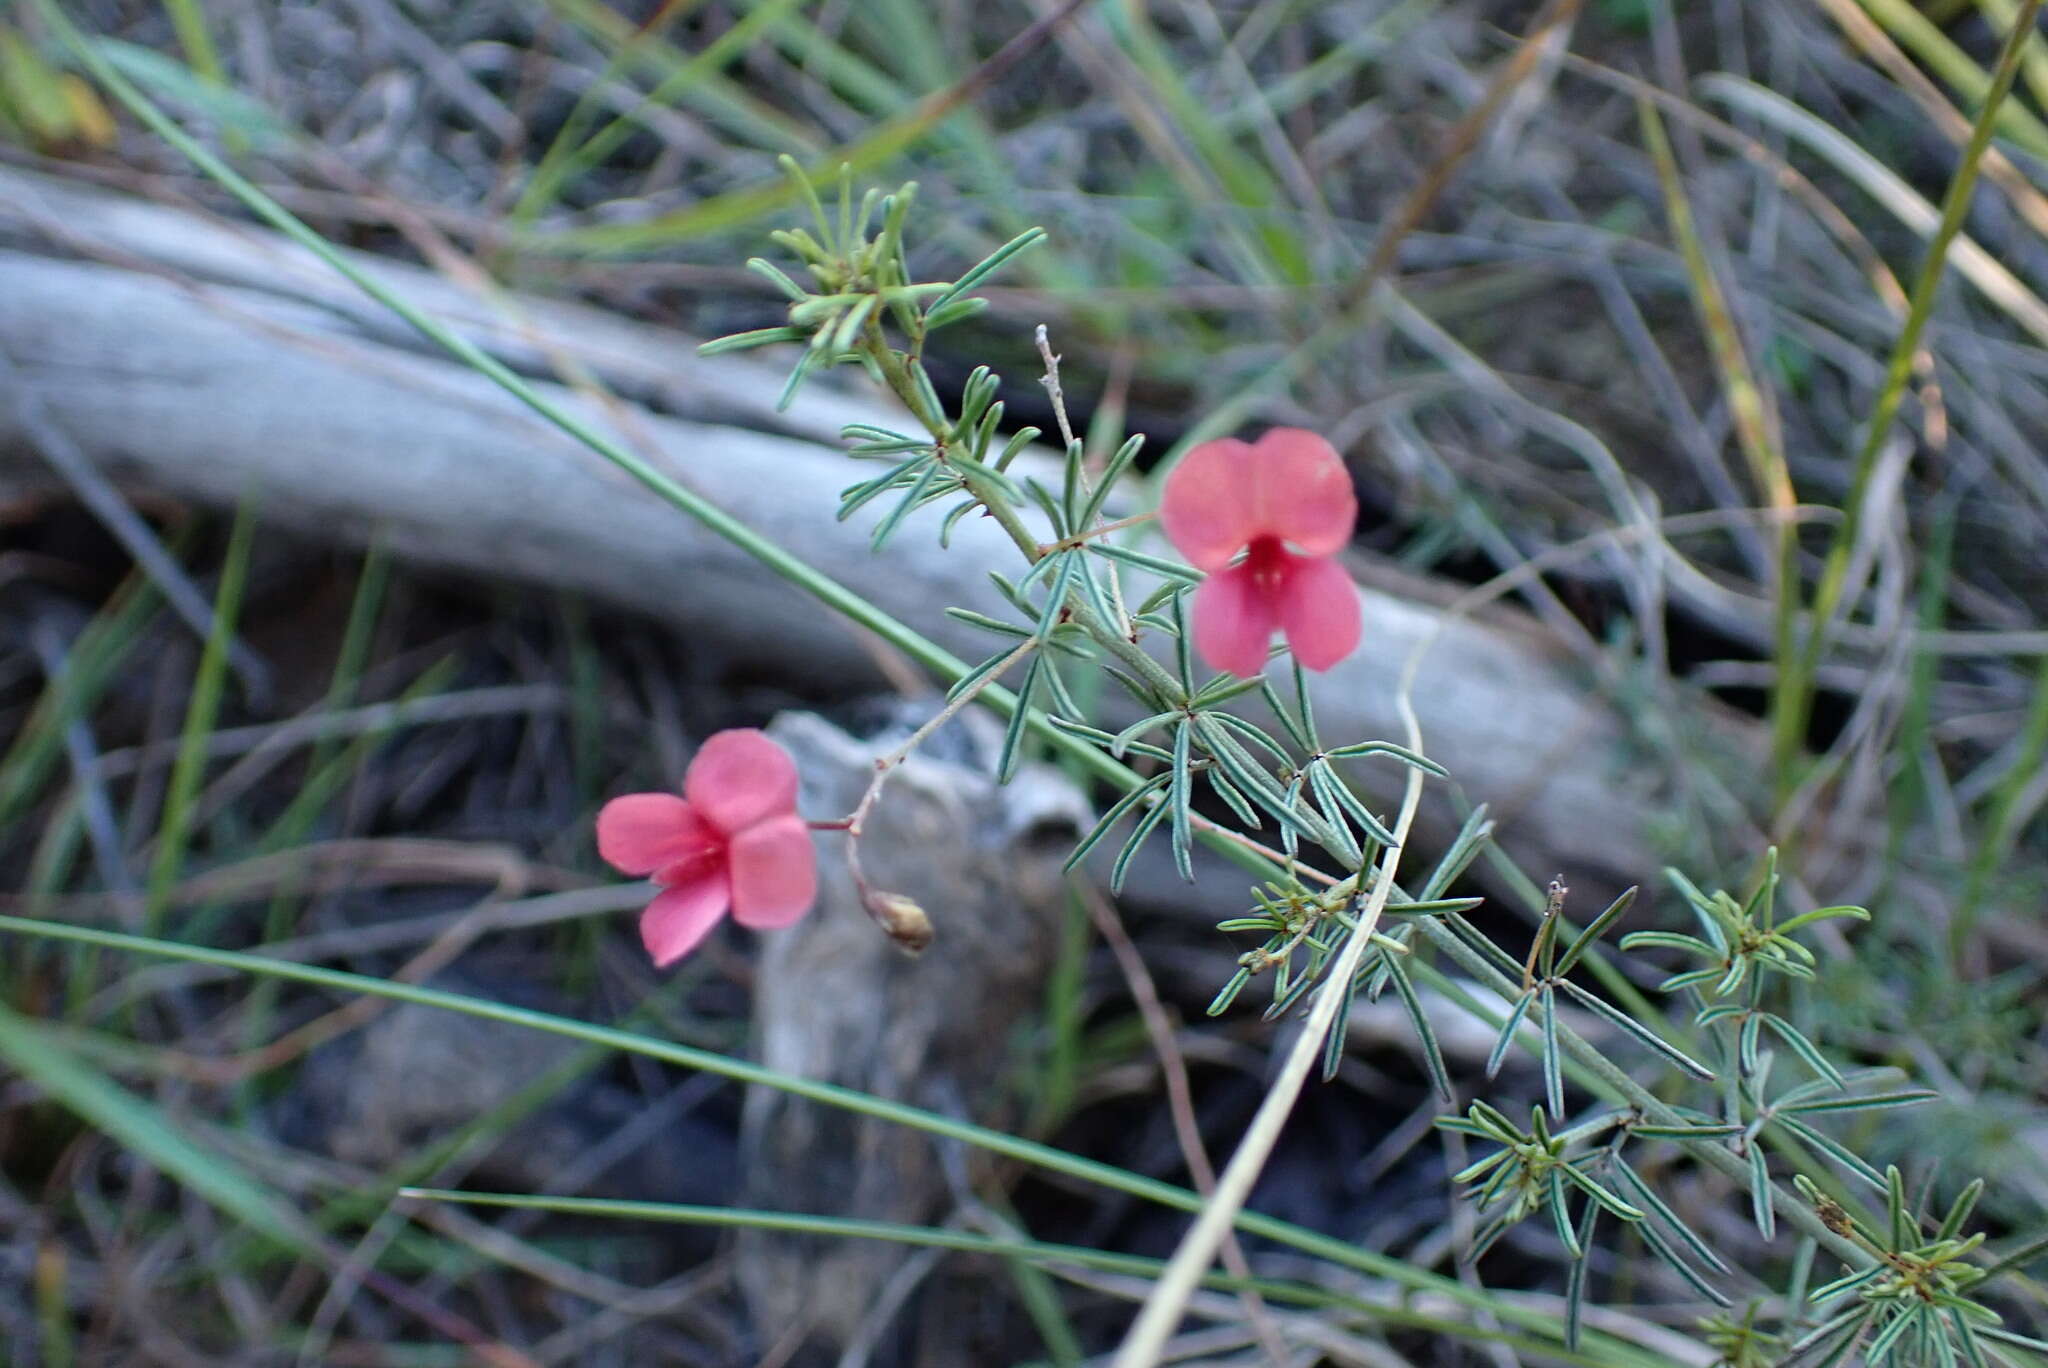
(902, 920)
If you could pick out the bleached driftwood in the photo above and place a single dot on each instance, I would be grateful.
(210, 362)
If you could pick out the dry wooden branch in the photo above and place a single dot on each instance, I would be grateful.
(213, 362)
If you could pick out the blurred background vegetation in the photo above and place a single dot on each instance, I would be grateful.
(1528, 312)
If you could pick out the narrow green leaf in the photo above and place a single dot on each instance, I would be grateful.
(2015, 1259)
(1435, 908)
(1760, 1192)
(1121, 742)
(1822, 914)
(953, 311)
(988, 669)
(1603, 1008)
(1013, 735)
(1869, 1102)
(1575, 1280)
(1842, 1155)
(887, 527)
(1183, 643)
(1966, 1338)
(1115, 814)
(1049, 506)
(1230, 990)
(1465, 847)
(1170, 569)
(1222, 689)
(1432, 1052)
(1016, 447)
(2014, 1338)
(1586, 1183)
(1401, 753)
(759, 337)
(1229, 793)
(1593, 932)
(1848, 1282)
(988, 624)
(1056, 596)
(1112, 471)
(1668, 940)
(772, 273)
(1102, 738)
(1673, 1260)
(1804, 1048)
(1340, 1029)
(1553, 1061)
(1145, 827)
(986, 267)
(1903, 1227)
(147, 1132)
(1561, 1216)
(1715, 1132)
(1324, 786)
(1255, 784)
(1340, 795)
(851, 322)
(1507, 1032)
(1746, 1045)
(1295, 731)
(1642, 1192)
(202, 709)
(1887, 1338)
(1180, 802)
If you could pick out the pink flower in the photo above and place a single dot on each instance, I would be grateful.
(732, 842)
(1229, 496)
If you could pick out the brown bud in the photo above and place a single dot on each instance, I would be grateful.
(902, 920)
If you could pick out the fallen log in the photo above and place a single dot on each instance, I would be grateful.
(211, 362)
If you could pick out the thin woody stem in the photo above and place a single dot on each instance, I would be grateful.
(1051, 381)
(887, 764)
(1100, 530)
(890, 763)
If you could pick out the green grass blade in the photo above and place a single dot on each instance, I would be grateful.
(147, 1132)
(1340, 1252)
(189, 768)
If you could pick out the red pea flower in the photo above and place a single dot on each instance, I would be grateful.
(733, 842)
(1229, 496)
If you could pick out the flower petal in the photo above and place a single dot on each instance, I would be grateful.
(1233, 621)
(680, 917)
(774, 871)
(1301, 491)
(1206, 508)
(639, 833)
(1318, 609)
(740, 777)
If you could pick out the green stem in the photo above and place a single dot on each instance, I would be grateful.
(1035, 1251)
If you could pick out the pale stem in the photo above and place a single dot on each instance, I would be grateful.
(1051, 381)
(1100, 530)
(888, 764)
(1197, 1252)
